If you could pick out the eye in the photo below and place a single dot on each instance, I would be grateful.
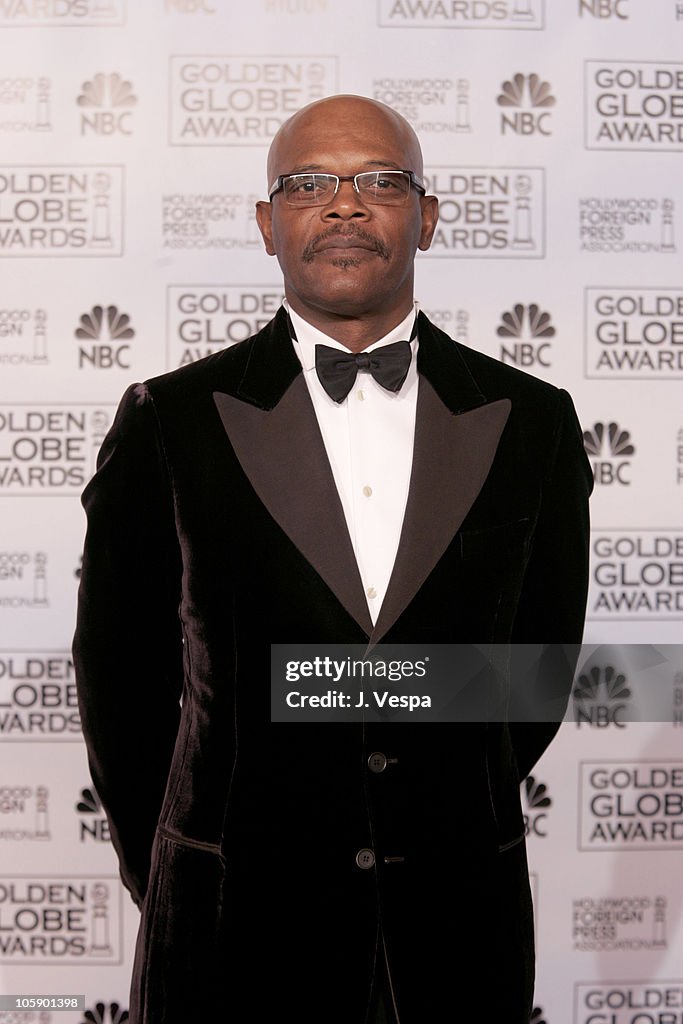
(385, 186)
(308, 185)
(386, 183)
(302, 186)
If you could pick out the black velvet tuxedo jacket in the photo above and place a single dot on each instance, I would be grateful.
(214, 530)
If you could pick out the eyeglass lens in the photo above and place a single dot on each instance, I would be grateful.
(374, 187)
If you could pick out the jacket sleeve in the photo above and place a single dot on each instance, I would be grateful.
(128, 652)
(552, 603)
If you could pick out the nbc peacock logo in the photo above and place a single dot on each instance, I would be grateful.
(536, 801)
(601, 696)
(104, 333)
(105, 1013)
(106, 101)
(609, 446)
(93, 824)
(527, 102)
(526, 332)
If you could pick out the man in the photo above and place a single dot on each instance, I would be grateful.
(350, 872)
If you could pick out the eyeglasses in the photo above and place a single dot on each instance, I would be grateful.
(378, 188)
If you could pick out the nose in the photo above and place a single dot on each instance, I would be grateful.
(346, 204)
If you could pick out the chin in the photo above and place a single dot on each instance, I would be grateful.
(352, 296)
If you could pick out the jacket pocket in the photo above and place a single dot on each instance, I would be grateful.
(176, 975)
(490, 541)
(490, 574)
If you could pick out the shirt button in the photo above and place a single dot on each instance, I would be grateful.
(365, 859)
(360, 395)
(371, 592)
(367, 491)
(377, 762)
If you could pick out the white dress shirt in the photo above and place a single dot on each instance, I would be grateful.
(369, 441)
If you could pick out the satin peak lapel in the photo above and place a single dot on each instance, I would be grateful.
(282, 452)
(452, 457)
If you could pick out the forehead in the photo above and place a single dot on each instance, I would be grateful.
(346, 138)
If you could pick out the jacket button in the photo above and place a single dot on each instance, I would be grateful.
(365, 859)
(377, 762)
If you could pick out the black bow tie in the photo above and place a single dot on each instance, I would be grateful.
(337, 370)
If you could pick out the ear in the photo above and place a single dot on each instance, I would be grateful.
(430, 218)
(264, 219)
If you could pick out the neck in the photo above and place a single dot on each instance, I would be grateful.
(354, 333)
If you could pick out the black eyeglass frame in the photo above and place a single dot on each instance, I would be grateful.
(279, 183)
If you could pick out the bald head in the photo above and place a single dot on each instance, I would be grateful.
(348, 261)
(341, 114)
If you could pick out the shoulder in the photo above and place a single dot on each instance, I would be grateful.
(221, 371)
(497, 380)
(502, 380)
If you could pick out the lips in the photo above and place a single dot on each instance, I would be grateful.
(343, 242)
(336, 242)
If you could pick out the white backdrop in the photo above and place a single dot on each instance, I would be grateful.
(132, 147)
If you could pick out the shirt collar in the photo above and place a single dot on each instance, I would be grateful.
(308, 336)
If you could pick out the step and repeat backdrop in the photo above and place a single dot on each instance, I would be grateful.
(133, 138)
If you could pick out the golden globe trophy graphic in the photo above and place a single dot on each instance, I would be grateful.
(522, 237)
(100, 944)
(462, 106)
(252, 237)
(103, 9)
(522, 11)
(668, 243)
(42, 824)
(99, 424)
(101, 236)
(43, 105)
(316, 82)
(659, 929)
(462, 321)
(39, 336)
(40, 580)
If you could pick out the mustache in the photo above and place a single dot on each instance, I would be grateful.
(334, 232)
